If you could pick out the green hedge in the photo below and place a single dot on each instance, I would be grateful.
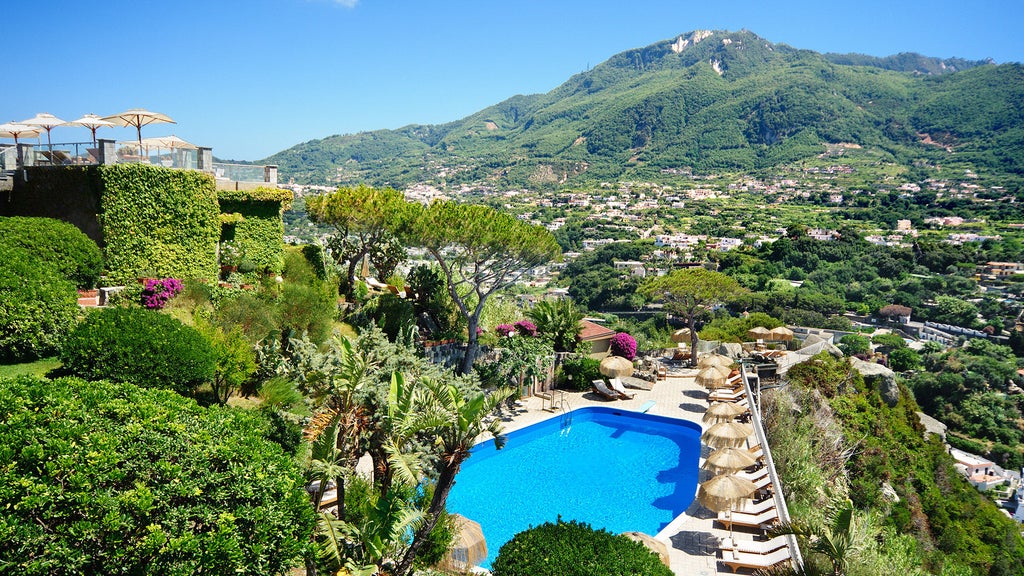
(575, 549)
(145, 347)
(103, 478)
(583, 370)
(257, 230)
(38, 307)
(158, 221)
(63, 245)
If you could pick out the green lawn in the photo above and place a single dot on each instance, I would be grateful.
(37, 368)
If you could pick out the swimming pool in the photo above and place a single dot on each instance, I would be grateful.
(613, 469)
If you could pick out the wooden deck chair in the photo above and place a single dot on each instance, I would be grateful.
(599, 387)
(766, 518)
(619, 388)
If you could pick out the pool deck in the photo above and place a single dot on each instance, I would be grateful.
(692, 538)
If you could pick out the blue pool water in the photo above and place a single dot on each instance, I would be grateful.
(613, 469)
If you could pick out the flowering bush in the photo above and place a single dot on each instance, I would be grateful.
(624, 345)
(157, 293)
(505, 329)
(526, 328)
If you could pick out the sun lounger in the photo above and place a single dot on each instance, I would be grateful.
(754, 547)
(736, 560)
(620, 389)
(599, 387)
(767, 517)
(754, 476)
(718, 396)
(749, 507)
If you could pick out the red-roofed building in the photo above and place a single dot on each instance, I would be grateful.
(598, 336)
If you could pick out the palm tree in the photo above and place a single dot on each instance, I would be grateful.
(558, 320)
(835, 540)
(456, 421)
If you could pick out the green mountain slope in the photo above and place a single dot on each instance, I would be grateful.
(706, 101)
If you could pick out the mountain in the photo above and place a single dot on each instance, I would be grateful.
(702, 102)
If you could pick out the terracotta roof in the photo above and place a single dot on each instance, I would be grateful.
(591, 331)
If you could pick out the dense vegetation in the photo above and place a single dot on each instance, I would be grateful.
(730, 102)
(100, 478)
(574, 549)
(57, 243)
(37, 307)
(833, 436)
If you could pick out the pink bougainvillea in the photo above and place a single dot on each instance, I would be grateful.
(624, 345)
(526, 328)
(157, 293)
(505, 330)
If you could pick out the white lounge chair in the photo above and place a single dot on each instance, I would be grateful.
(749, 507)
(768, 517)
(736, 560)
(754, 547)
(620, 389)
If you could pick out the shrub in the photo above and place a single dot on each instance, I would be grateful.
(307, 309)
(72, 253)
(624, 345)
(37, 307)
(574, 549)
(579, 371)
(134, 481)
(504, 330)
(147, 348)
(157, 293)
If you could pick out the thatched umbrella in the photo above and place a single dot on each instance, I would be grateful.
(469, 547)
(653, 544)
(616, 367)
(723, 412)
(781, 333)
(681, 335)
(729, 460)
(714, 360)
(758, 333)
(723, 493)
(727, 435)
(713, 377)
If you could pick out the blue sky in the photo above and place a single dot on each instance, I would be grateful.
(253, 77)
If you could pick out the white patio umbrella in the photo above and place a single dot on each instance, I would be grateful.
(92, 122)
(139, 117)
(16, 130)
(47, 122)
(171, 142)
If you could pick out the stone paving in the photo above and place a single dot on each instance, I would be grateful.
(692, 538)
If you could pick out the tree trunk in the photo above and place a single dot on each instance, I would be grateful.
(444, 485)
(693, 340)
(471, 347)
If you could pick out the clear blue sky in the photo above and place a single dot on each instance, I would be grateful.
(253, 77)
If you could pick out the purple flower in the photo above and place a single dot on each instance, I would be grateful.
(505, 329)
(624, 345)
(157, 293)
(526, 328)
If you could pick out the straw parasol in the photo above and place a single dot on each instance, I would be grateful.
(616, 367)
(723, 412)
(758, 333)
(723, 493)
(47, 122)
(681, 335)
(653, 544)
(713, 378)
(92, 122)
(727, 435)
(781, 333)
(469, 547)
(729, 460)
(714, 360)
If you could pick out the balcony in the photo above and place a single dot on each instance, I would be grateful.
(227, 176)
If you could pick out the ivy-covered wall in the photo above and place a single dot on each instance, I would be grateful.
(158, 221)
(251, 220)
